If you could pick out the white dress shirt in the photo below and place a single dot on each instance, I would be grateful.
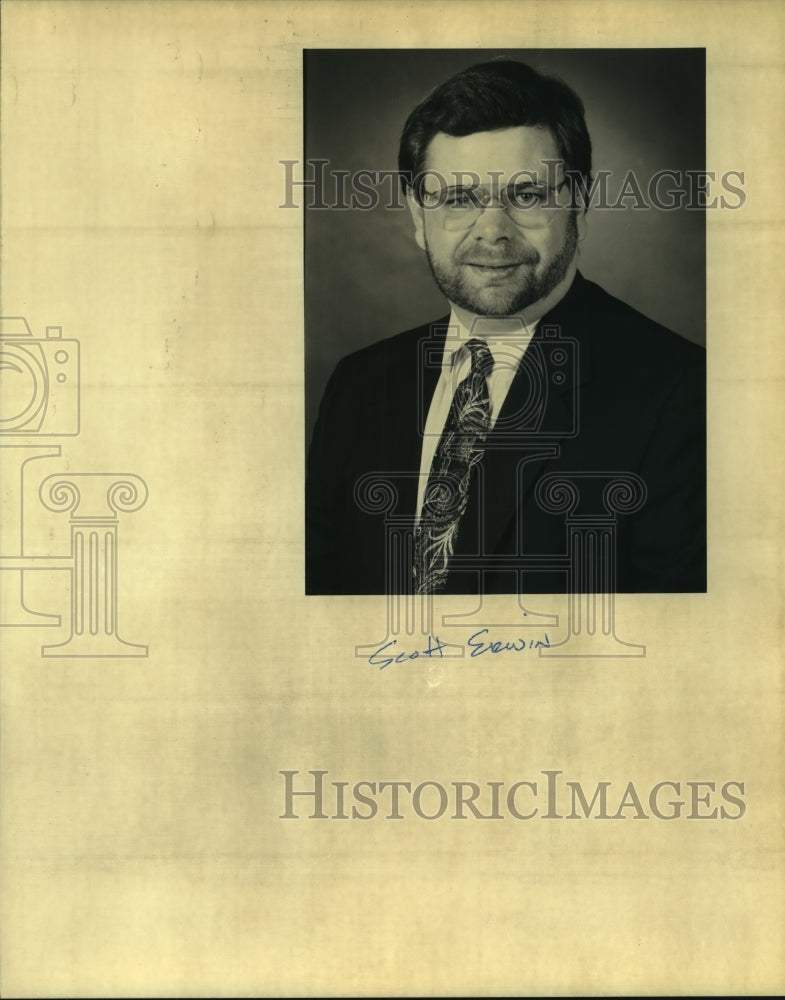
(507, 338)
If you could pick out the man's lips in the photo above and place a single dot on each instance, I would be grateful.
(507, 265)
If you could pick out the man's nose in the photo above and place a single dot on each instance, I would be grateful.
(494, 224)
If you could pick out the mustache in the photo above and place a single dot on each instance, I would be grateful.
(503, 259)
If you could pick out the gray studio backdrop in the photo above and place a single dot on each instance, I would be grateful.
(365, 278)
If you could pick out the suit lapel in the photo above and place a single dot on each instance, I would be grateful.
(412, 377)
(540, 413)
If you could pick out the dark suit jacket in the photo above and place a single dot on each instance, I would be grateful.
(602, 392)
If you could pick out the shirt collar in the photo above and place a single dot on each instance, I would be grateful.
(510, 334)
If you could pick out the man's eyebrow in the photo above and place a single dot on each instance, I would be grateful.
(529, 182)
(457, 188)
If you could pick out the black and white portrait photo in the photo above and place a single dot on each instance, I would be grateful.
(505, 320)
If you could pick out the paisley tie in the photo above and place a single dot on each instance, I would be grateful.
(447, 494)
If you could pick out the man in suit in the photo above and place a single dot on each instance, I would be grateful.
(469, 455)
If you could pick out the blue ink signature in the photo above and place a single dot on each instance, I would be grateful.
(436, 648)
(516, 646)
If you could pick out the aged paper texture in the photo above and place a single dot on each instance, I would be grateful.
(166, 684)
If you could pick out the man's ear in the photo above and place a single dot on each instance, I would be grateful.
(580, 221)
(418, 217)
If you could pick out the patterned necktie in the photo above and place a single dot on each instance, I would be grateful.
(447, 494)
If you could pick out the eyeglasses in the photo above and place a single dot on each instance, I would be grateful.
(530, 206)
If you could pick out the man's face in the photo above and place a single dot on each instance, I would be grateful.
(495, 266)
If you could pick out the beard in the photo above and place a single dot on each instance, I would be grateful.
(504, 297)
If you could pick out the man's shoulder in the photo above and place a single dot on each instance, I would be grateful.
(398, 349)
(619, 328)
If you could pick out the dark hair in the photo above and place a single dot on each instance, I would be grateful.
(496, 95)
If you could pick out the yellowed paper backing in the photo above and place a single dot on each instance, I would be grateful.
(143, 849)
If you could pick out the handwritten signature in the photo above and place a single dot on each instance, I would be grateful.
(436, 648)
